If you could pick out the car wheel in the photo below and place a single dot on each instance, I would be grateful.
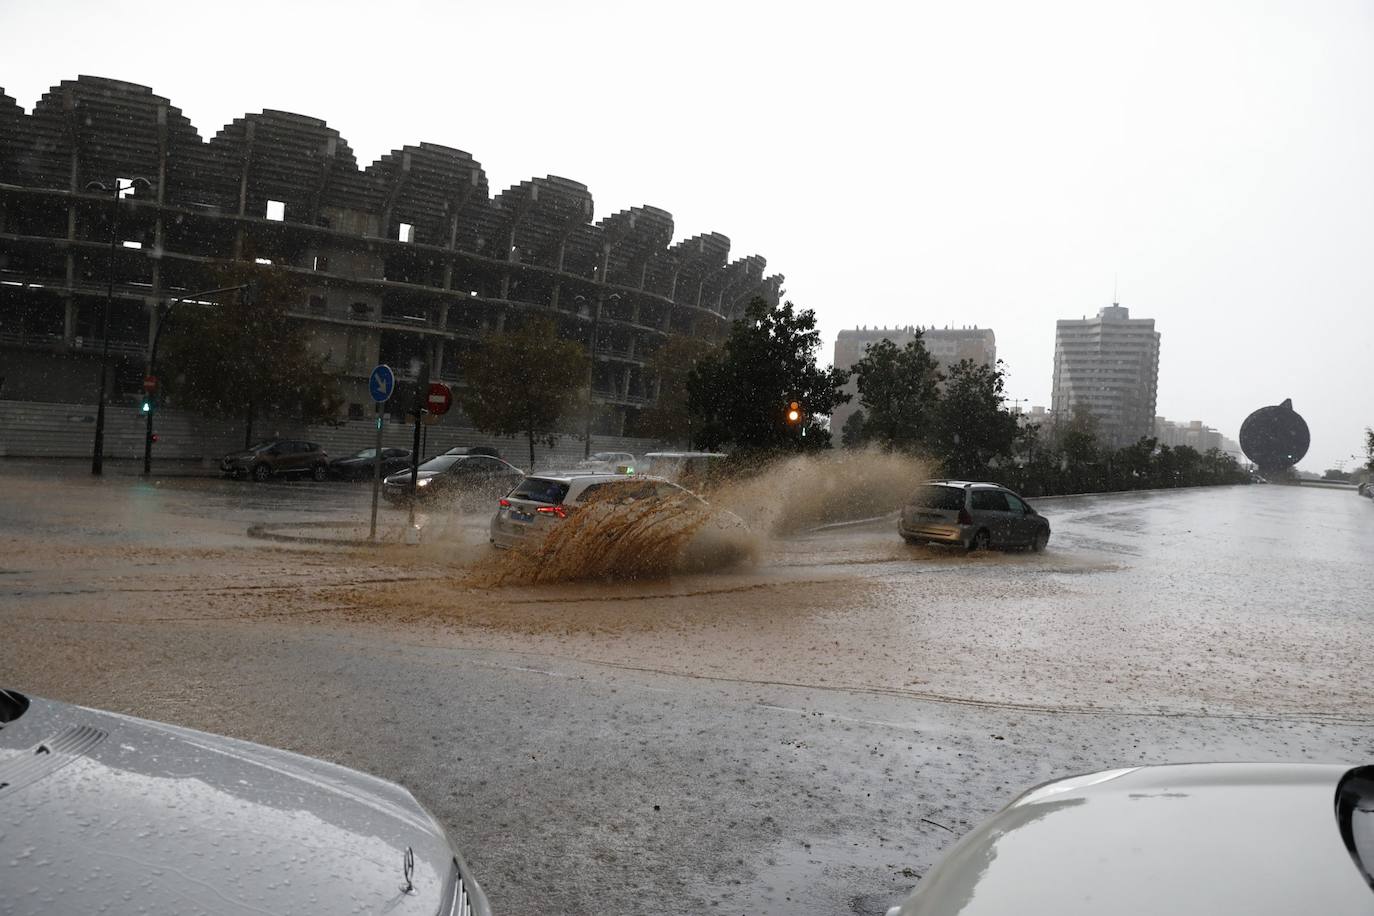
(981, 541)
(1041, 539)
(261, 472)
(319, 472)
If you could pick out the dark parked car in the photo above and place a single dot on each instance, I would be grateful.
(277, 458)
(973, 515)
(359, 465)
(105, 813)
(468, 479)
(475, 450)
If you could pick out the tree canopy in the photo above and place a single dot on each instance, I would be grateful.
(246, 359)
(669, 418)
(738, 396)
(524, 382)
(898, 391)
(972, 428)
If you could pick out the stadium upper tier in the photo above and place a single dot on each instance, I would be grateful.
(415, 242)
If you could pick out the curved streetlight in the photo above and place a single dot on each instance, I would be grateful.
(98, 449)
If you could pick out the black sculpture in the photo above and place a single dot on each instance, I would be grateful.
(1275, 438)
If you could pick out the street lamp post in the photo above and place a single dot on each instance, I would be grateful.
(98, 449)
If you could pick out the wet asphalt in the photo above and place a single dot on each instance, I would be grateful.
(804, 736)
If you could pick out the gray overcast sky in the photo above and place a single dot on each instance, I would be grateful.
(906, 163)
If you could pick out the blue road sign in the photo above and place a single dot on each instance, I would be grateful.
(382, 383)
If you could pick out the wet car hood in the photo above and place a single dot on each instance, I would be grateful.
(1191, 839)
(99, 810)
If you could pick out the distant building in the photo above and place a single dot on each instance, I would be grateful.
(947, 345)
(1194, 433)
(1110, 365)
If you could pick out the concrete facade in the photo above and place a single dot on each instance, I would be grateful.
(947, 345)
(1110, 365)
(407, 259)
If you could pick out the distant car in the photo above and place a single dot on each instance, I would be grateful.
(277, 458)
(610, 462)
(972, 515)
(543, 501)
(1192, 840)
(105, 813)
(465, 479)
(361, 465)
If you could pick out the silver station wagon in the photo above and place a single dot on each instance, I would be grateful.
(972, 515)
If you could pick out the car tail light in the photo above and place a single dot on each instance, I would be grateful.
(553, 510)
(503, 503)
(965, 518)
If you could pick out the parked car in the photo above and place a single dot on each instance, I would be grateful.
(277, 458)
(973, 515)
(469, 479)
(361, 464)
(109, 813)
(1194, 840)
(610, 462)
(474, 450)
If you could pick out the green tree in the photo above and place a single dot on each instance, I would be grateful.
(971, 426)
(738, 396)
(855, 432)
(669, 418)
(247, 358)
(898, 389)
(524, 382)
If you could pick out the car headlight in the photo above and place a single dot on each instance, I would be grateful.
(424, 483)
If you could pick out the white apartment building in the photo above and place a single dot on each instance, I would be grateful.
(947, 345)
(1110, 365)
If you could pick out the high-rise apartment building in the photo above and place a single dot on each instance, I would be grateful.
(947, 345)
(1110, 365)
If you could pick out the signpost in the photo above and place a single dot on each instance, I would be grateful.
(380, 386)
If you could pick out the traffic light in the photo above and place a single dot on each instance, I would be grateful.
(147, 405)
(794, 413)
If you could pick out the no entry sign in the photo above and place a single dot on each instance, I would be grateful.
(439, 400)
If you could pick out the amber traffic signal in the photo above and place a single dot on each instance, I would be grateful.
(794, 413)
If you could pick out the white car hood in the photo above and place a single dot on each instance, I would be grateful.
(107, 813)
(1256, 839)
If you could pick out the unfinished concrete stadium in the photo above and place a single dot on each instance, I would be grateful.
(410, 258)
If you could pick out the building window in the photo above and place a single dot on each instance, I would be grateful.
(360, 308)
(321, 262)
(318, 304)
(355, 411)
(133, 244)
(406, 233)
(264, 261)
(276, 210)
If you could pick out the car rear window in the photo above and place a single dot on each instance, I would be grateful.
(946, 499)
(540, 490)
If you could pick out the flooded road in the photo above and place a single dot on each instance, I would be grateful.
(803, 735)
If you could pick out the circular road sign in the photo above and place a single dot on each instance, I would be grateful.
(382, 383)
(439, 400)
